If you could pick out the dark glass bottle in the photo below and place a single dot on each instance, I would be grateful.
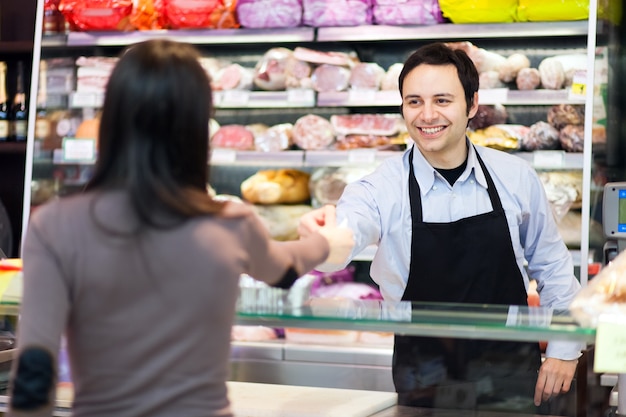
(4, 104)
(19, 110)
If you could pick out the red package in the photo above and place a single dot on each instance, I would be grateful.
(196, 14)
(148, 15)
(84, 15)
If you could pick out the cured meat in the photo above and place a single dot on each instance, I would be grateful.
(327, 78)
(233, 76)
(390, 79)
(298, 73)
(313, 132)
(367, 75)
(269, 13)
(271, 71)
(365, 124)
(490, 79)
(488, 115)
(566, 114)
(528, 79)
(541, 136)
(406, 12)
(322, 13)
(361, 141)
(276, 138)
(572, 138)
(233, 137)
(552, 74)
(511, 67)
(319, 57)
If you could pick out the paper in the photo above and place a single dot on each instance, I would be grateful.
(610, 351)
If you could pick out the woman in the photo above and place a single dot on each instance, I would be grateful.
(140, 272)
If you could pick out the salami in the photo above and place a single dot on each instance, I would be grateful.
(313, 132)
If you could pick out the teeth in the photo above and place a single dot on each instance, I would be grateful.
(432, 130)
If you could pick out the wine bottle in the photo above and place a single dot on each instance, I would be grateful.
(4, 104)
(19, 111)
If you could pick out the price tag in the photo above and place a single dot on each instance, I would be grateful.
(493, 95)
(362, 156)
(79, 150)
(300, 96)
(548, 159)
(578, 90)
(223, 155)
(87, 100)
(236, 97)
(610, 350)
(362, 96)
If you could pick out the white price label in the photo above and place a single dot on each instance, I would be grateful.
(493, 95)
(548, 159)
(79, 150)
(362, 96)
(362, 156)
(236, 97)
(224, 156)
(610, 350)
(301, 96)
(578, 90)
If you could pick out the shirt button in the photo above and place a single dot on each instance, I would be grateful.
(471, 181)
(434, 187)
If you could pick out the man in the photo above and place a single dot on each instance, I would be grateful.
(455, 222)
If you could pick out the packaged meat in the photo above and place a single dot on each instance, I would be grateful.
(572, 138)
(605, 294)
(483, 59)
(366, 75)
(560, 115)
(276, 138)
(511, 67)
(488, 115)
(545, 11)
(271, 71)
(345, 142)
(479, 11)
(406, 12)
(528, 79)
(298, 73)
(329, 78)
(148, 15)
(276, 186)
(269, 13)
(366, 124)
(233, 137)
(551, 73)
(313, 132)
(322, 13)
(541, 136)
(490, 79)
(391, 77)
(97, 14)
(327, 183)
(501, 137)
(196, 14)
(321, 57)
(231, 77)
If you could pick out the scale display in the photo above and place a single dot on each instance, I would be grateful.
(614, 210)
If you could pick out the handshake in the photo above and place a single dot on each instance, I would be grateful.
(339, 237)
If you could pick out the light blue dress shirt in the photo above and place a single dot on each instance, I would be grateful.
(377, 207)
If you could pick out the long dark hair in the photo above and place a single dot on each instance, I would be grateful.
(153, 137)
(439, 53)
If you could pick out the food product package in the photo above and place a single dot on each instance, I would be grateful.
(269, 13)
(322, 13)
(543, 11)
(604, 294)
(406, 12)
(479, 11)
(83, 15)
(327, 183)
(196, 14)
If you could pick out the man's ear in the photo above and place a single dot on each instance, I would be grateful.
(471, 112)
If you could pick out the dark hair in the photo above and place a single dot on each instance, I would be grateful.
(154, 131)
(440, 54)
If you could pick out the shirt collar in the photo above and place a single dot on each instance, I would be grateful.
(425, 174)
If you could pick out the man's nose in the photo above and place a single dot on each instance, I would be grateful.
(429, 112)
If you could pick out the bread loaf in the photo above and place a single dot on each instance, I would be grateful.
(281, 186)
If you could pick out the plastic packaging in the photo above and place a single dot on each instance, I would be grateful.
(479, 11)
(320, 13)
(406, 12)
(84, 15)
(269, 13)
(543, 11)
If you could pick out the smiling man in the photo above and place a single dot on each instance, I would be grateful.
(455, 222)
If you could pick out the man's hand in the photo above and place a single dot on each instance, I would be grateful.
(312, 221)
(555, 377)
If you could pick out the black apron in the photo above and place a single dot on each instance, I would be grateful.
(470, 260)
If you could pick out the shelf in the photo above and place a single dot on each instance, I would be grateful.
(553, 160)
(199, 36)
(12, 147)
(232, 157)
(471, 321)
(237, 99)
(16, 47)
(362, 156)
(453, 31)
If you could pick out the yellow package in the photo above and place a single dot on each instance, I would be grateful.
(555, 10)
(479, 11)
